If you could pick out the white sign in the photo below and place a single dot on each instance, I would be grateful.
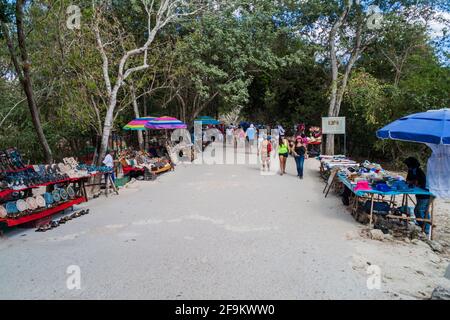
(333, 125)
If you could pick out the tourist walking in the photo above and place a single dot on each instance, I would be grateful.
(241, 136)
(299, 153)
(250, 135)
(283, 153)
(229, 133)
(266, 150)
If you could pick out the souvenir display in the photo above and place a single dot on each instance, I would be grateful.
(32, 203)
(56, 196)
(63, 194)
(56, 223)
(11, 207)
(3, 212)
(11, 160)
(18, 181)
(71, 192)
(41, 202)
(21, 205)
(48, 199)
(136, 163)
(369, 176)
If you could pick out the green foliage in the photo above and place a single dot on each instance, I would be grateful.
(268, 57)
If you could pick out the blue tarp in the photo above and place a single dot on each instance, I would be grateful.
(432, 127)
(207, 121)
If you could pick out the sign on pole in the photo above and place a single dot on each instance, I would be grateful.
(333, 125)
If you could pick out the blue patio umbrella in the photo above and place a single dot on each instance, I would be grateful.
(432, 127)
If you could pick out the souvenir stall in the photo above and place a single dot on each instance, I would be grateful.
(32, 192)
(140, 164)
(156, 159)
(328, 163)
(378, 194)
(433, 129)
(384, 196)
(314, 141)
(167, 125)
(139, 125)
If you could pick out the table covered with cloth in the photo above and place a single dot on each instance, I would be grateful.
(374, 194)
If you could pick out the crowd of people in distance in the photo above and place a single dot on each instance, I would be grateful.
(295, 146)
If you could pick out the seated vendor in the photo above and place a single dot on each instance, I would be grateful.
(417, 178)
(142, 161)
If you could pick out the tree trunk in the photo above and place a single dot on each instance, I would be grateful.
(140, 136)
(24, 74)
(329, 147)
(107, 127)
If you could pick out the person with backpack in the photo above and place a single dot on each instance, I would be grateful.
(266, 149)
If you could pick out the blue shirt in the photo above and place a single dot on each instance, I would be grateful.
(251, 133)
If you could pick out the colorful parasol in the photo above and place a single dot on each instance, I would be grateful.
(165, 123)
(207, 121)
(138, 124)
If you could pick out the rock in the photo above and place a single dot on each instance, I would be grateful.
(440, 293)
(435, 246)
(415, 241)
(376, 234)
(444, 243)
(352, 235)
(389, 237)
(407, 240)
(447, 272)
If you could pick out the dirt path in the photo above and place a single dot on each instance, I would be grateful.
(207, 232)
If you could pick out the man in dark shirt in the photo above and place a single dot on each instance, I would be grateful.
(417, 178)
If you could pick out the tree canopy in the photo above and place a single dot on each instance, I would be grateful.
(275, 62)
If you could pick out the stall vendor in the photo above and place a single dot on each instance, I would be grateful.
(417, 178)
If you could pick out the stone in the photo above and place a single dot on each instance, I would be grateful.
(389, 237)
(435, 246)
(352, 235)
(447, 273)
(440, 293)
(376, 234)
(444, 243)
(415, 241)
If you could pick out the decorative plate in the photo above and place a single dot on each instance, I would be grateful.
(48, 198)
(22, 205)
(63, 168)
(40, 201)
(71, 192)
(56, 195)
(32, 203)
(11, 207)
(3, 212)
(64, 195)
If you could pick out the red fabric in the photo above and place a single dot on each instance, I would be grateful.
(127, 170)
(269, 148)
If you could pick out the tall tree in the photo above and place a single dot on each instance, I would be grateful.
(22, 66)
(158, 15)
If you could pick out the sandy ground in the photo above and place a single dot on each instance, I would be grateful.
(215, 232)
